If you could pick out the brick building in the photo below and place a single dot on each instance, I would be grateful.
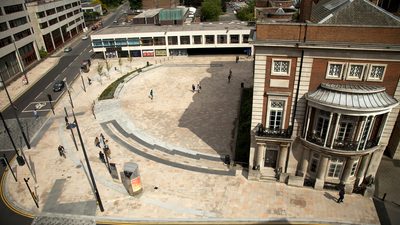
(153, 4)
(326, 92)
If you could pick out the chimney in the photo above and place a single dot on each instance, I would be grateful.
(305, 9)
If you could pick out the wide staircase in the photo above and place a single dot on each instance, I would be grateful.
(192, 161)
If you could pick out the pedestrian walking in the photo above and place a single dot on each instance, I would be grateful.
(151, 94)
(193, 88)
(35, 113)
(102, 138)
(341, 195)
(229, 78)
(107, 150)
(237, 59)
(198, 87)
(101, 157)
(89, 81)
(61, 150)
(230, 72)
(97, 142)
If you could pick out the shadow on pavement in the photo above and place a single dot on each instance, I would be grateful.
(212, 114)
(330, 197)
(76, 208)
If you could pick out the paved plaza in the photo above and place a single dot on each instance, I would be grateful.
(178, 139)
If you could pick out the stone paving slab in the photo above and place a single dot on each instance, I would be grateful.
(169, 193)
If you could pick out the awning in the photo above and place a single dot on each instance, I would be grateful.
(352, 97)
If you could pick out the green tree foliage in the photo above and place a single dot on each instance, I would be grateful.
(42, 52)
(112, 3)
(246, 13)
(90, 16)
(135, 4)
(223, 5)
(194, 3)
(210, 10)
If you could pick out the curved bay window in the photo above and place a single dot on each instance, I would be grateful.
(347, 117)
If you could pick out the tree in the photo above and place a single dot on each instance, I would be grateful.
(130, 59)
(135, 4)
(210, 10)
(120, 64)
(108, 67)
(100, 71)
(42, 52)
(246, 13)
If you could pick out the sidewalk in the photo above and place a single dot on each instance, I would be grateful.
(196, 125)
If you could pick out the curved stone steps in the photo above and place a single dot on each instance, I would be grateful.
(165, 156)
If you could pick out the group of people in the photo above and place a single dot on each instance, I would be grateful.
(99, 142)
(196, 88)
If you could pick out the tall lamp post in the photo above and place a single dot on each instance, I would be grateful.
(88, 165)
(20, 159)
(15, 113)
(19, 59)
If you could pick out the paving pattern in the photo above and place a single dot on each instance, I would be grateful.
(178, 120)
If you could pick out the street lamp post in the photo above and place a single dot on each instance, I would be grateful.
(70, 126)
(88, 165)
(20, 159)
(31, 192)
(15, 113)
(83, 82)
(9, 167)
(19, 59)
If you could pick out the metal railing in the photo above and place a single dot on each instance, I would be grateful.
(275, 133)
(346, 145)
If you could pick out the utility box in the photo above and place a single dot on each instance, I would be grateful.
(131, 172)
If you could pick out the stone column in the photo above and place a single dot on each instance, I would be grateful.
(362, 168)
(346, 175)
(307, 121)
(347, 170)
(260, 154)
(323, 164)
(335, 129)
(328, 129)
(304, 162)
(282, 156)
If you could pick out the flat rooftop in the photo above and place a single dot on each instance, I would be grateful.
(149, 13)
(138, 28)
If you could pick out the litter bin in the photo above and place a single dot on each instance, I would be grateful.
(131, 172)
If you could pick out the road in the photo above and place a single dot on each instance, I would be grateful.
(68, 68)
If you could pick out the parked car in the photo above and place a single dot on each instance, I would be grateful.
(58, 86)
(67, 49)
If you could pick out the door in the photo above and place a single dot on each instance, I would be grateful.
(270, 158)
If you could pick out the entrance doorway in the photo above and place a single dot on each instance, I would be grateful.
(270, 158)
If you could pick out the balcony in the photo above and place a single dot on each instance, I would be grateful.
(261, 131)
(344, 145)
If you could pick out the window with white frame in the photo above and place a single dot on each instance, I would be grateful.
(314, 162)
(335, 167)
(355, 71)
(346, 126)
(321, 128)
(280, 67)
(376, 72)
(335, 70)
(353, 168)
(275, 116)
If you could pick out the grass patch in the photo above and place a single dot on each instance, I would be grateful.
(108, 93)
(243, 136)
